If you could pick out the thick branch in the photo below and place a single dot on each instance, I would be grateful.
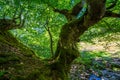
(65, 12)
(77, 8)
(112, 14)
(112, 5)
(71, 14)
(96, 11)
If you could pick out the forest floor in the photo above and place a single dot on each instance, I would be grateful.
(89, 72)
(99, 60)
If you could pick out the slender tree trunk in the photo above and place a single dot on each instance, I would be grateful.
(51, 41)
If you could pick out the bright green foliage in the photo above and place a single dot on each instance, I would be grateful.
(34, 34)
(39, 15)
(104, 27)
(37, 12)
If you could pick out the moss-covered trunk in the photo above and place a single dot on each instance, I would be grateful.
(18, 62)
(66, 49)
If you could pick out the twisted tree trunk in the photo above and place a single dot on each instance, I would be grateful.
(66, 50)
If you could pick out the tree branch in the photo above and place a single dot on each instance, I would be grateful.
(77, 8)
(95, 12)
(112, 14)
(112, 5)
(63, 11)
(71, 14)
(50, 35)
(51, 41)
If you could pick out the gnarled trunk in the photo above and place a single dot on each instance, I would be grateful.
(66, 49)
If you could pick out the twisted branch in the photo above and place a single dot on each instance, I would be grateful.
(8, 24)
(71, 14)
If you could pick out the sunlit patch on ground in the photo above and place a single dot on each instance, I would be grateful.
(99, 60)
(109, 44)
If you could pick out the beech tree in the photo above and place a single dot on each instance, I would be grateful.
(82, 16)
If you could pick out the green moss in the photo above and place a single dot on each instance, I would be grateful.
(20, 61)
(34, 75)
(5, 60)
(17, 78)
(2, 60)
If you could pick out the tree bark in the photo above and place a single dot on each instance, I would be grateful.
(67, 50)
